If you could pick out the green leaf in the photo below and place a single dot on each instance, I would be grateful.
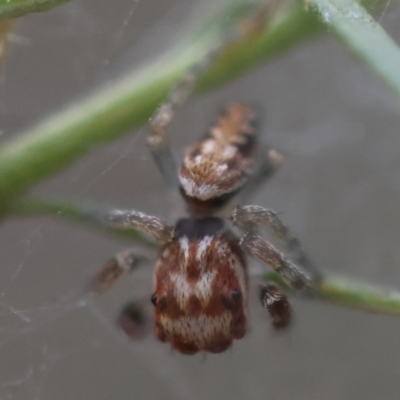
(364, 37)
(17, 8)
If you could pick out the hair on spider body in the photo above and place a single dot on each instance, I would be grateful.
(201, 287)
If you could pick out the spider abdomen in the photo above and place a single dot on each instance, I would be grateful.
(219, 165)
(201, 287)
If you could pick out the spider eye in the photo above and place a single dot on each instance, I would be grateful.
(232, 301)
(154, 298)
(236, 295)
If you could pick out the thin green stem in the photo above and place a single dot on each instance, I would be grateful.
(76, 212)
(350, 294)
(355, 295)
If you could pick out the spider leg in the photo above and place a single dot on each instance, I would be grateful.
(134, 318)
(292, 275)
(127, 260)
(275, 301)
(157, 138)
(122, 263)
(250, 217)
(154, 227)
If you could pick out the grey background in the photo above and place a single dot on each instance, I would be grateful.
(339, 190)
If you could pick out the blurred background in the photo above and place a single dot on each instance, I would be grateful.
(339, 190)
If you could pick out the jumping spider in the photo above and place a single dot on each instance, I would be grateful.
(201, 281)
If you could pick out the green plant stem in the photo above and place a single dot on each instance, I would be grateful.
(61, 138)
(364, 297)
(364, 37)
(350, 294)
(18, 8)
(77, 212)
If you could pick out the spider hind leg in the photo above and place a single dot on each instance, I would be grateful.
(122, 263)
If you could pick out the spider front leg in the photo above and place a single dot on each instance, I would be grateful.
(120, 264)
(153, 227)
(292, 275)
(275, 301)
(127, 260)
(272, 296)
(251, 217)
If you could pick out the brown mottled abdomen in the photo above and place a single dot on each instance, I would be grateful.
(219, 164)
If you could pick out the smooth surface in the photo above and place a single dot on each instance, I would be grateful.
(339, 190)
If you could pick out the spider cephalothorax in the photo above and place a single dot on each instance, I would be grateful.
(200, 289)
